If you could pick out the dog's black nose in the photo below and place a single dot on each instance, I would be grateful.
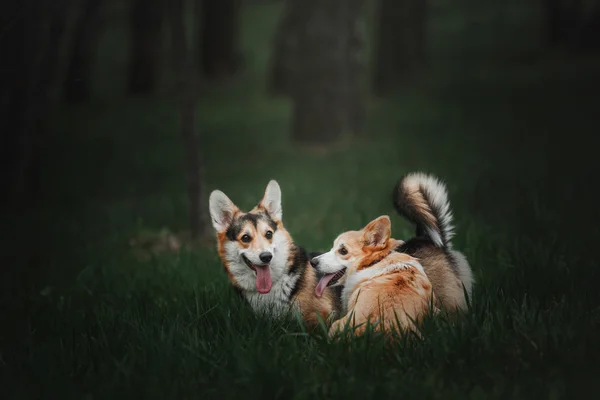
(265, 256)
(314, 262)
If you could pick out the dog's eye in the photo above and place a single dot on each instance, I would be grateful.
(343, 251)
(246, 238)
(269, 234)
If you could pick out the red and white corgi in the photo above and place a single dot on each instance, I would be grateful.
(381, 286)
(423, 200)
(263, 263)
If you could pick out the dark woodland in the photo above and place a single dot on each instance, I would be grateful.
(118, 119)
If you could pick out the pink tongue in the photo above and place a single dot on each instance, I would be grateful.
(322, 285)
(263, 279)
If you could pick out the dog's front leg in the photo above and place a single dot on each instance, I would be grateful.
(338, 325)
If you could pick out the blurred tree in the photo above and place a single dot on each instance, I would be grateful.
(561, 20)
(401, 43)
(326, 85)
(17, 60)
(219, 38)
(590, 35)
(35, 42)
(285, 47)
(146, 20)
(573, 23)
(87, 33)
(187, 85)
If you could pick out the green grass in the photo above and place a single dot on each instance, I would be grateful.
(509, 142)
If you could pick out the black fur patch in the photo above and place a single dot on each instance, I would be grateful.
(337, 291)
(300, 258)
(415, 246)
(298, 267)
(412, 246)
(269, 220)
(236, 226)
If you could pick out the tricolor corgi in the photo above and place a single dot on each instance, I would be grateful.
(263, 263)
(381, 286)
(423, 200)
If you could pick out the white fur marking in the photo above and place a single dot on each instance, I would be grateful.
(276, 302)
(464, 271)
(221, 210)
(272, 200)
(329, 262)
(437, 195)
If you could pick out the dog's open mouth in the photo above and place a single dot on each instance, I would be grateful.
(328, 280)
(247, 261)
(263, 276)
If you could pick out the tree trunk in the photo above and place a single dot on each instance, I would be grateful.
(357, 34)
(326, 88)
(561, 20)
(285, 48)
(219, 37)
(79, 74)
(187, 87)
(13, 91)
(401, 43)
(34, 42)
(146, 19)
(420, 32)
(590, 32)
(38, 42)
(574, 24)
(554, 28)
(587, 35)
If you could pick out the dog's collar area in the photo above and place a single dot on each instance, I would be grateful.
(379, 259)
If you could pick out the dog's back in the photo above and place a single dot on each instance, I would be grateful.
(445, 269)
(423, 200)
(393, 295)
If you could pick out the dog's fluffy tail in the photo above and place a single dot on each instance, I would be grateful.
(423, 200)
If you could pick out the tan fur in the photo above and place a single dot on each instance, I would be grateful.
(313, 307)
(221, 238)
(420, 203)
(397, 298)
(446, 284)
(359, 244)
(393, 292)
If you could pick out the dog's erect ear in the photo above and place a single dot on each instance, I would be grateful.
(222, 210)
(272, 200)
(377, 232)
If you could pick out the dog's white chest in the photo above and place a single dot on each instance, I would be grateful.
(276, 303)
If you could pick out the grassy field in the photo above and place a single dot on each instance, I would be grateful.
(507, 134)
